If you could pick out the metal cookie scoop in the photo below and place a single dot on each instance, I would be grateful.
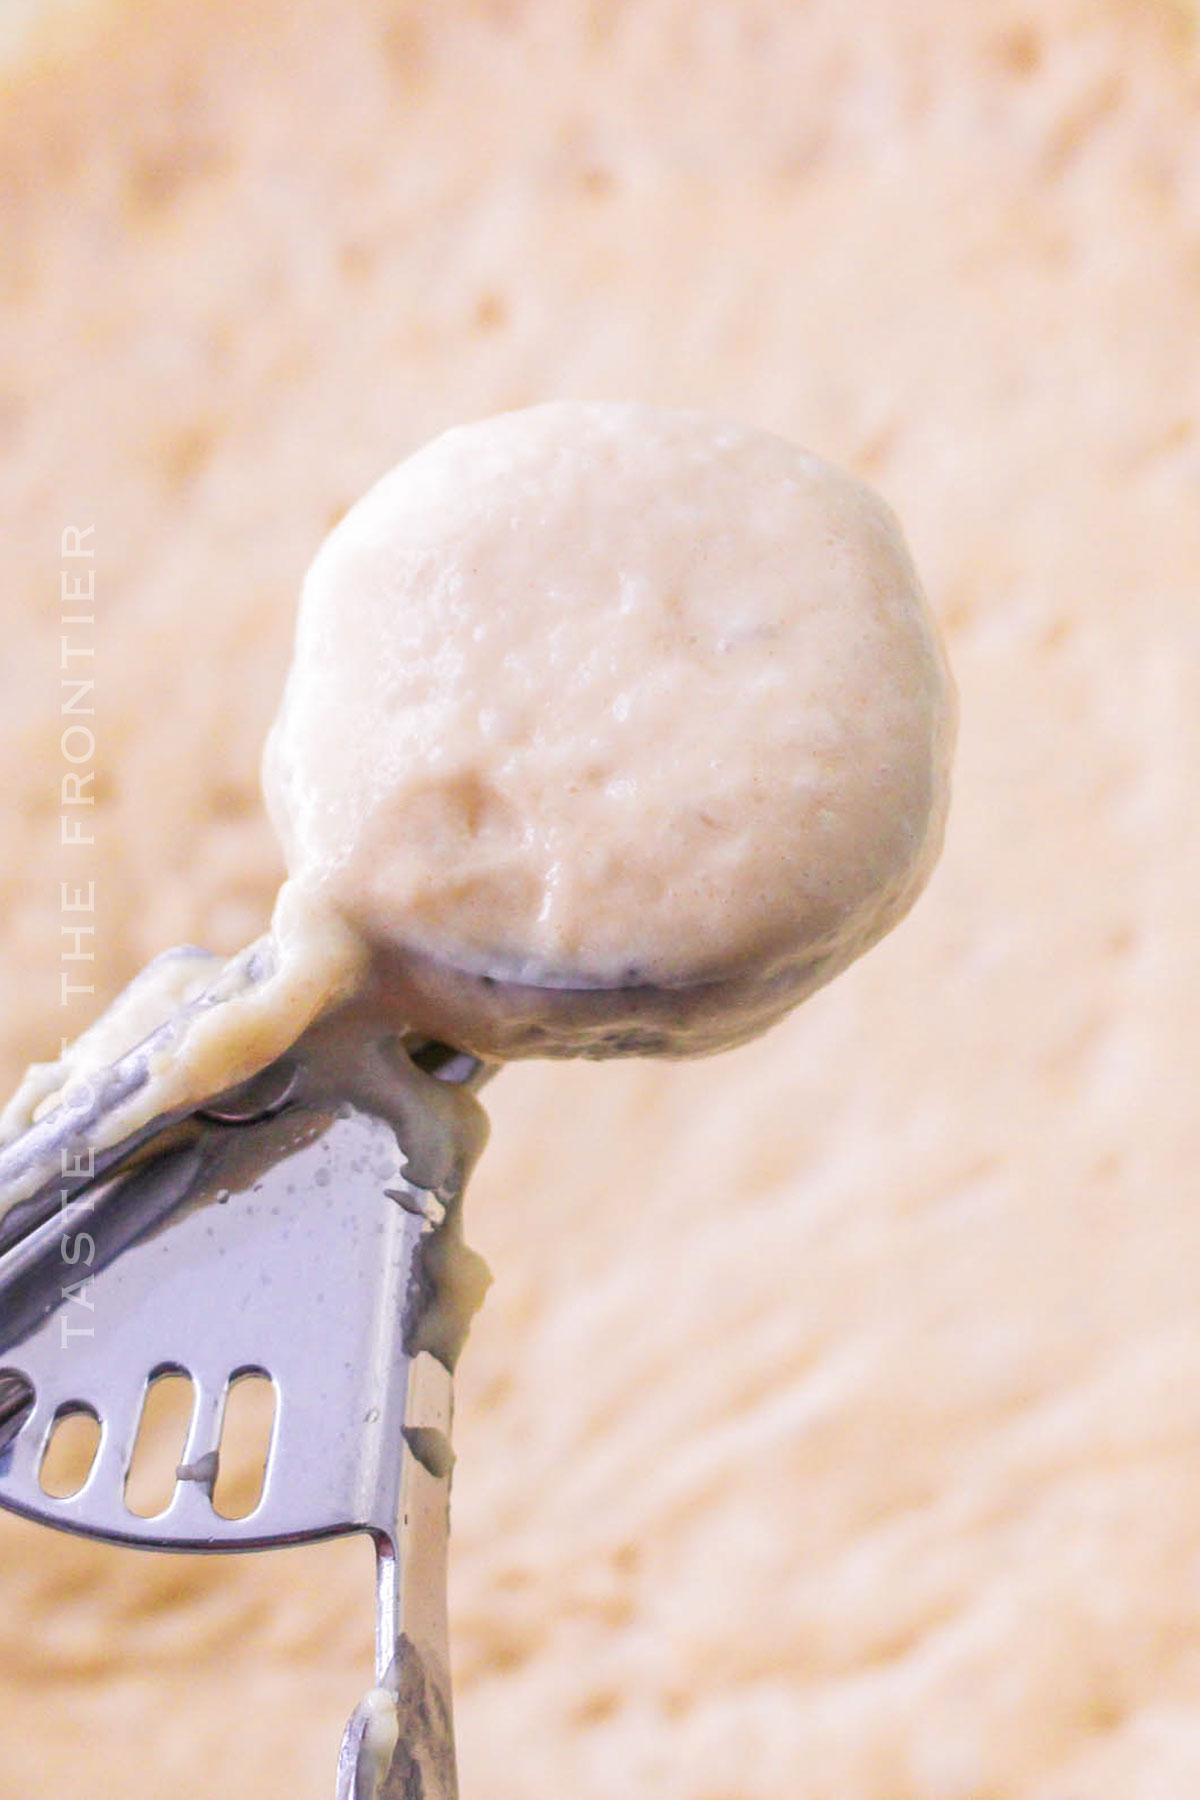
(305, 1227)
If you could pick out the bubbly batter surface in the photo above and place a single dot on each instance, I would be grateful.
(890, 1489)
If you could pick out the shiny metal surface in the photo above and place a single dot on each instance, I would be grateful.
(282, 1232)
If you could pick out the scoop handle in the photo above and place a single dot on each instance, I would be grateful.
(399, 1744)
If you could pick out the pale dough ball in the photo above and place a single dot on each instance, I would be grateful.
(595, 697)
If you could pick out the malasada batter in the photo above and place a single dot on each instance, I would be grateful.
(609, 731)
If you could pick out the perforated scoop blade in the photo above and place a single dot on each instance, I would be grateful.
(306, 1230)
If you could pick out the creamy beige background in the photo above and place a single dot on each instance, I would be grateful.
(832, 1431)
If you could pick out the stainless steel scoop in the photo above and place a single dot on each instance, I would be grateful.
(305, 1227)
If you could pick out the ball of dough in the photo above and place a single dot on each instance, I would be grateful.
(612, 730)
